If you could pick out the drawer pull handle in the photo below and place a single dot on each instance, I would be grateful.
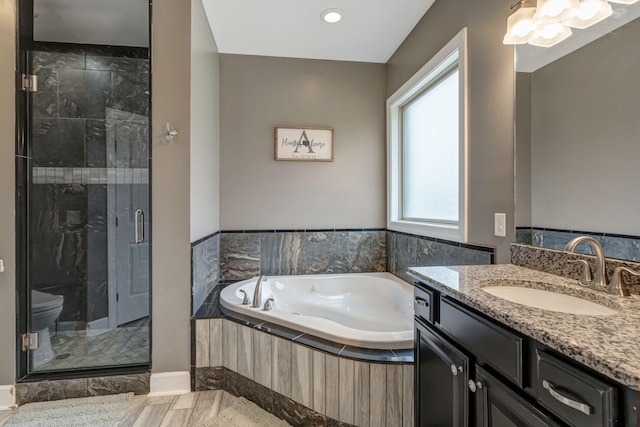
(422, 302)
(582, 407)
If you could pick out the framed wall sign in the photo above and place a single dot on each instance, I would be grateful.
(304, 144)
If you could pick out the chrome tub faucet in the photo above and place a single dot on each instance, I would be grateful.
(257, 292)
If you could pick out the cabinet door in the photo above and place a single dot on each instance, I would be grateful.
(499, 406)
(441, 393)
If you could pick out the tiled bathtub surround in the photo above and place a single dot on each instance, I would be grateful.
(557, 262)
(205, 269)
(350, 391)
(252, 253)
(406, 250)
(615, 245)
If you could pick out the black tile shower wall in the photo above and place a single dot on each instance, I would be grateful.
(615, 245)
(205, 269)
(407, 250)
(92, 103)
(252, 253)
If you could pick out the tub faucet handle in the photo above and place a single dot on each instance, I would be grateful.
(245, 298)
(268, 304)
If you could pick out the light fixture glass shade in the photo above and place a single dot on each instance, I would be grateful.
(550, 34)
(520, 26)
(624, 1)
(553, 11)
(590, 12)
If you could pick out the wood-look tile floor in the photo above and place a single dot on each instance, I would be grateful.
(184, 410)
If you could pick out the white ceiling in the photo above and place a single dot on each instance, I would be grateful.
(370, 30)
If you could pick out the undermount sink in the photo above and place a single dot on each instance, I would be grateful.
(549, 300)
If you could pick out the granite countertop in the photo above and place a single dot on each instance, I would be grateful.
(608, 344)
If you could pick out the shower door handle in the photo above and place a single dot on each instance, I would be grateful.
(138, 226)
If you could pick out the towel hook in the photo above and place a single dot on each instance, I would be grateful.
(171, 133)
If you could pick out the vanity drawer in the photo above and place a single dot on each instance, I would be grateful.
(492, 344)
(423, 304)
(574, 395)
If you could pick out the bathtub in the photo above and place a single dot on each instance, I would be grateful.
(368, 310)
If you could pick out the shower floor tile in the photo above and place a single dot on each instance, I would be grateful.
(127, 345)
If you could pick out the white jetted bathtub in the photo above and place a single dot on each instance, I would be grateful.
(369, 310)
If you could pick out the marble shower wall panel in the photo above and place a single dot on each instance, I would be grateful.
(245, 255)
(130, 80)
(405, 250)
(205, 269)
(58, 142)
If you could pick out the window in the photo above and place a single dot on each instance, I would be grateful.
(427, 148)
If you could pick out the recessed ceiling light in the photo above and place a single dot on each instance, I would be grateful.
(331, 16)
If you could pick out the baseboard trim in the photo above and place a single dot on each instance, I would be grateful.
(170, 383)
(7, 397)
(97, 327)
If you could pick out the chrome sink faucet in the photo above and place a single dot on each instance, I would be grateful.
(600, 280)
(257, 292)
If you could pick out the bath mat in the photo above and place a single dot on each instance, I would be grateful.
(243, 413)
(98, 411)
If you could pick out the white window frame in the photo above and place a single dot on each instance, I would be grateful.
(455, 50)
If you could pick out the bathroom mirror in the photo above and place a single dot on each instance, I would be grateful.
(578, 137)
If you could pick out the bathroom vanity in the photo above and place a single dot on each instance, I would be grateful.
(482, 360)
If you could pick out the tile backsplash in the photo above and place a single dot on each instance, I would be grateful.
(615, 245)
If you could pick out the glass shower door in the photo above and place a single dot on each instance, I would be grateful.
(88, 208)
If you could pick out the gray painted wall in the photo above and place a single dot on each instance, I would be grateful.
(171, 38)
(587, 161)
(7, 192)
(259, 93)
(491, 104)
(205, 126)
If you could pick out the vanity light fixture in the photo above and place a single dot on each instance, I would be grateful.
(555, 11)
(590, 12)
(520, 25)
(331, 16)
(548, 22)
(550, 34)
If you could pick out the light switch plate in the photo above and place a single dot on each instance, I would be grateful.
(500, 225)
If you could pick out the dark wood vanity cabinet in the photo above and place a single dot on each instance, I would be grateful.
(439, 362)
(474, 371)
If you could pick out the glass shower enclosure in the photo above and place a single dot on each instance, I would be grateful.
(85, 185)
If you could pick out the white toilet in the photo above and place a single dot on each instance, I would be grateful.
(45, 309)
